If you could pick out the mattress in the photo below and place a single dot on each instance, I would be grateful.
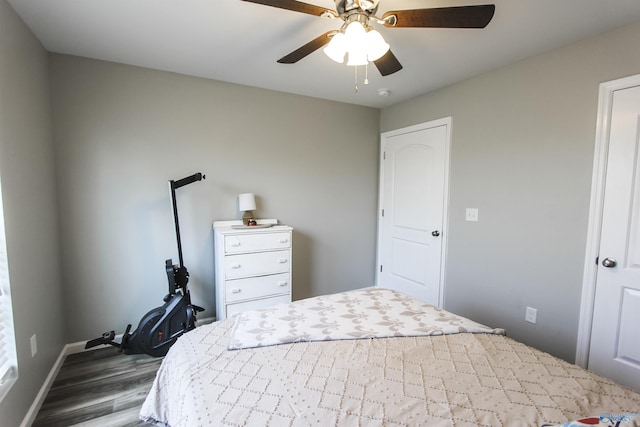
(466, 375)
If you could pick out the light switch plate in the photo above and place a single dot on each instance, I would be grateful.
(531, 315)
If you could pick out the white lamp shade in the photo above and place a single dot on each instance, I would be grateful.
(356, 43)
(246, 202)
(336, 48)
(357, 57)
(376, 46)
(355, 33)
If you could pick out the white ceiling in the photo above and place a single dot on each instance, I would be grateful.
(239, 42)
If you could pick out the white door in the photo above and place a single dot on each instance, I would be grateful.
(413, 194)
(615, 347)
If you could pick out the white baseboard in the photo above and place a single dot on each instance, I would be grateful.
(42, 394)
(77, 347)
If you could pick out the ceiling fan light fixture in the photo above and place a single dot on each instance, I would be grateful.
(357, 57)
(337, 48)
(376, 46)
(354, 29)
(356, 39)
(361, 42)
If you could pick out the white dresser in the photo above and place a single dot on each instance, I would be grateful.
(252, 266)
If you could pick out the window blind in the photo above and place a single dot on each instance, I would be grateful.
(8, 360)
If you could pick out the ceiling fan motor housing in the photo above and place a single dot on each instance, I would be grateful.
(344, 6)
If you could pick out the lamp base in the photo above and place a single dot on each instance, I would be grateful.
(246, 217)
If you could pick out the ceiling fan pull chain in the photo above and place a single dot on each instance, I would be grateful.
(366, 73)
(355, 88)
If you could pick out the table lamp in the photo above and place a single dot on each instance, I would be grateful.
(246, 204)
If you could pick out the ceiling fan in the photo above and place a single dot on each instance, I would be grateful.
(361, 13)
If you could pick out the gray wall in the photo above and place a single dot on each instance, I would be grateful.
(30, 211)
(122, 132)
(522, 152)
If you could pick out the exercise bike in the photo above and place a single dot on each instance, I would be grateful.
(161, 327)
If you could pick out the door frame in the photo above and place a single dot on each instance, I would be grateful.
(589, 279)
(447, 122)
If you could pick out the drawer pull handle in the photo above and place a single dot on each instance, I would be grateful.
(283, 283)
(235, 266)
(235, 243)
(236, 290)
(282, 260)
(284, 240)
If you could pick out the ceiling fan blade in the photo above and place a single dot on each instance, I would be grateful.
(477, 16)
(293, 5)
(307, 49)
(388, 64)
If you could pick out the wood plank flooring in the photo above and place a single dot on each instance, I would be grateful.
(99, 388)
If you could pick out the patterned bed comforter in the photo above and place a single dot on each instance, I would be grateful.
(444, 377)
(366, 313)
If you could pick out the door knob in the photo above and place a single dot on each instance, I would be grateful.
(435, 233)
(609, 262)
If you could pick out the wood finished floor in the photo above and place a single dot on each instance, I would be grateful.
(99, 388)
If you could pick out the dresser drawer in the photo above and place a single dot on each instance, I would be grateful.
(256, 242)
(234, 309)
(260, 263)
(257, 287)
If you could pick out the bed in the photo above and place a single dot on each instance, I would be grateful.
(372, 357)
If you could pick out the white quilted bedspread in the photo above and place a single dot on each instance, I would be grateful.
(462, 379)
(367, 313)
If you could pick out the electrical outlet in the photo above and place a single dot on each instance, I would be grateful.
(531, 315)
(34, 345)
(472, 214)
